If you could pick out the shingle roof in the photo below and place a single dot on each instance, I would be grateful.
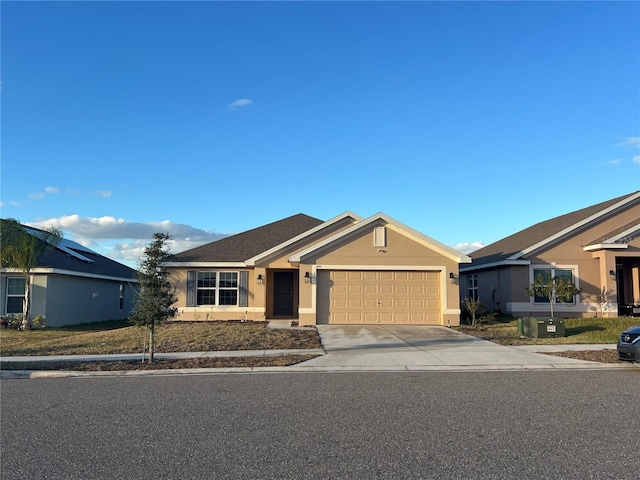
(520, 241)
(72, 257)
(616, 232)
(100, 266)
(245, 245)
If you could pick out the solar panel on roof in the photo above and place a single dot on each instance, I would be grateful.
(67, 246)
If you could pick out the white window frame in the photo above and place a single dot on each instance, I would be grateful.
(217, 288)
(472, 286)
(380, 237)
(9, 295)
(552, 269)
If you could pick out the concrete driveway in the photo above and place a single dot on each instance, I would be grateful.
(375, 347)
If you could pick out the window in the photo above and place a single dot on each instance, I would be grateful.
(15, 294)
(379, 237)
(472, 286)
(217, 288)
(545, 276)
(121, 296)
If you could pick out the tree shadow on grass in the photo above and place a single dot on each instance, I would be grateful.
(91, 327)
(569, 332)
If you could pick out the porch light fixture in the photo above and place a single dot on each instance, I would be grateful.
(453, 279)
(307, 277)
(260, 279)
(612, 274)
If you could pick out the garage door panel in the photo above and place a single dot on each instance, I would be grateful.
(379, 297)
(370, 289)
(340, 288)
(401, 303)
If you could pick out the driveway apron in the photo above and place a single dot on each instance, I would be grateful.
(407, 347)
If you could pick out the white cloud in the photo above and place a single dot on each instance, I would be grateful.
(636, 159)
(630, 141)
(615, 161)
(242, 102)
(468, 247)
(122, 240)
(44, 193)
(103, 193)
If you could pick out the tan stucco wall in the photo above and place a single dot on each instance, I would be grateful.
(592, 270)
(256, 297)
(353, 251)
(400, 251)
(259, 295)
(281, 259)
(592, 267)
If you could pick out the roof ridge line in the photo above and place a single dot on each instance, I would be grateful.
(631, 197)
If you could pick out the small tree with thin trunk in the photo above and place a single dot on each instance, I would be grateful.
(21, 249)
(556, 289)
(156, 292)
(475, 307)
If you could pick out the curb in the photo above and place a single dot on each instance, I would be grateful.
(35, 374)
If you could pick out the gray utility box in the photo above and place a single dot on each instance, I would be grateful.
(542, 327)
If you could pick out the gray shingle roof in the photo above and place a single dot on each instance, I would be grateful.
(245, 245)
(616, 232)
(100, 266)
(513, 244)
(71, 260)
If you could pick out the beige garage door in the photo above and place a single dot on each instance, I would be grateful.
(385, 297)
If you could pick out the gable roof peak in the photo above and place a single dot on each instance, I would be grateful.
(364, 223)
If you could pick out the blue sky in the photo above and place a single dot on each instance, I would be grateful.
(468, 121)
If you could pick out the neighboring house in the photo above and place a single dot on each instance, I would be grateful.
(598, 248)
(347, 270)
(71, 284)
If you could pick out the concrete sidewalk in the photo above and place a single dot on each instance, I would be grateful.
(371, 348)
(375, 347)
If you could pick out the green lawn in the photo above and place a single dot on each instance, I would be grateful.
(577, 331)
(120, 337)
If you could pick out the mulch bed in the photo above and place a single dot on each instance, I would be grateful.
(602, 356)
(160, 364)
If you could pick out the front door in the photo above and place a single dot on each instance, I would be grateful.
(283, 293)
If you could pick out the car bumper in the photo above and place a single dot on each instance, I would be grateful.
(630, 353)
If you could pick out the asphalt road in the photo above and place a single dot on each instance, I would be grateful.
(527, 424)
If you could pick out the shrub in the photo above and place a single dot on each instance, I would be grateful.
(38, 322)
(474, 307)
(12, 320)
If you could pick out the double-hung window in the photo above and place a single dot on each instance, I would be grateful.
(546, 276)
(15, 294)
(472, 286)
(217, 288)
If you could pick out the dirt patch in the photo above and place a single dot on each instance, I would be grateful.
(602, 356)
(503, 335)
(160, 364)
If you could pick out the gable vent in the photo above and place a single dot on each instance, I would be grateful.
(380, 237)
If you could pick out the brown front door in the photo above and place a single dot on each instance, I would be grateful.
(283, 293)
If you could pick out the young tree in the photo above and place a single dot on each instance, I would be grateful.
(475, 307)
(156, 292)
(555, 289)
(21, 250)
